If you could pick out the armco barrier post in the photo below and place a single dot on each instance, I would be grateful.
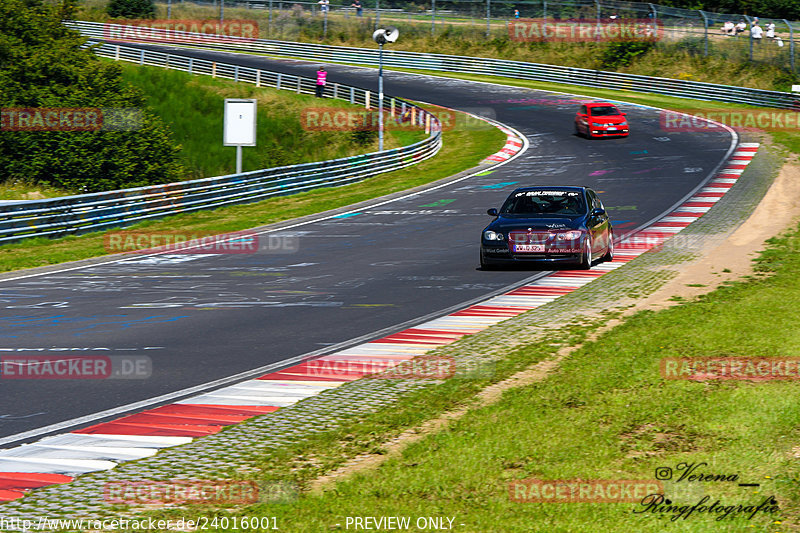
(705, 31)
(791, 44)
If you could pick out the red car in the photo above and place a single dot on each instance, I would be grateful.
(600, 119)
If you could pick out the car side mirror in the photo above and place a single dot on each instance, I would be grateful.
(597, 211)
(492, 212)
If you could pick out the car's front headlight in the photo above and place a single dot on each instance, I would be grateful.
(568, 235)
(597, 125)
(623, 123)
(492, 236)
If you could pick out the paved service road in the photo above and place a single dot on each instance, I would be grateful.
(203, 317)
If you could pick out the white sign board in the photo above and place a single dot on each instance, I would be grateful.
(796, 88)
(240, 122)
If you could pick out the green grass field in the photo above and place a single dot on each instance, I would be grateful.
(192, 106)
(606, 413)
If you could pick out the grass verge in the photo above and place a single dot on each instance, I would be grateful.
(605, 414)
(192, 106)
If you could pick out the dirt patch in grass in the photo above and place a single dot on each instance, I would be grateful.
(733, 259)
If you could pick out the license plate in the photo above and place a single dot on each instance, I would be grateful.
(529, 247)
(611, 129)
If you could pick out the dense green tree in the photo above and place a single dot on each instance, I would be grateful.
(132, 9)
(43, 65)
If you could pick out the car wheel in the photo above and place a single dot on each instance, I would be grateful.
(609, 249)
(578, 130)
(586, 257)
(484, 264)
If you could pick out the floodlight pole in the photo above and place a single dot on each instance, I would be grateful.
(380, 98)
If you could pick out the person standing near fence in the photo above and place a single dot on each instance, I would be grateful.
(359, 8)
(322, 80)
(323, 6)
(770, 30)
(756, 33)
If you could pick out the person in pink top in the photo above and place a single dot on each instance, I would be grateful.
(322, 79)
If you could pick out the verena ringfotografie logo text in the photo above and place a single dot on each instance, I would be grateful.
(584, 30)
(70, 119)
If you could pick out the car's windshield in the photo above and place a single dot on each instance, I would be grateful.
(605, 111)
(544, 203)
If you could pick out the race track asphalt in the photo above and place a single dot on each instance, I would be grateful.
(203, 317)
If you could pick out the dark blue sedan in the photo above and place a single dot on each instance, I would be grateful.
(566, 225)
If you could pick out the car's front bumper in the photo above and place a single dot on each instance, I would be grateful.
(497, 255)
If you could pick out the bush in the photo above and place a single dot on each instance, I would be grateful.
(622, 53)
(43, 66)
(132, 9)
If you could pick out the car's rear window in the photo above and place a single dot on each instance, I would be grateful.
(605, 111)
(544, 203)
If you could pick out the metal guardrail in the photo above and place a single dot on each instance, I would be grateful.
(493, 19)
(459, 64)
(98, 211)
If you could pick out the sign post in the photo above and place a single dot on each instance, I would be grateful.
(239, 126)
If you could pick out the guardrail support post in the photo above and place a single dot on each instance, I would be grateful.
(141, 57)
(298, 85)
(269, 20)
(597, 5)
(488, 16)
(278, 83)
(655, 19)
(366, 99)
(258, 79)
(352, 95)
(544, 19)
(236, 73)
(336, 90)
(116, 56)
(392, 107)
(791, 44)
(705, 26)
(214, 69)
(750, 38)
(191, 64)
